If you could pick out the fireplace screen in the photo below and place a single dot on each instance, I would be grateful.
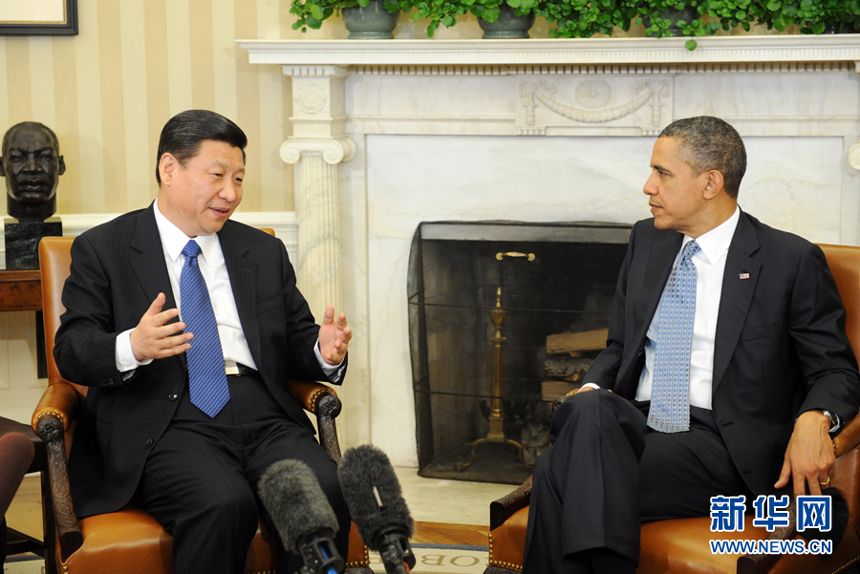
(504, 318)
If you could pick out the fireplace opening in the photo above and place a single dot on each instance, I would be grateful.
(504, 317)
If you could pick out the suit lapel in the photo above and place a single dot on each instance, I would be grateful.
(736, 296)
(149, 265)
(654, 275)
(243, 281)
(657, 271)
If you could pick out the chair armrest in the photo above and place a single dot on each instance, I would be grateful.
(60, 400)
(505, 507)
(848, 439)
(325, 404)
(761, 563)
(50, 429)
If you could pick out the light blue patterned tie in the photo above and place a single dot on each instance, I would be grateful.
(207, 381)
(670, 391)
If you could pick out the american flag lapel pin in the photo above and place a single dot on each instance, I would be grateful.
(744, 276)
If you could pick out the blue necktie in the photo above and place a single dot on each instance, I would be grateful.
(670, 391)
(207, 381)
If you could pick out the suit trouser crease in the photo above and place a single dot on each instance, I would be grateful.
(607, 472)
(200, 479)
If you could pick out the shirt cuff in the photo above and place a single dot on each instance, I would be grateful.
(333, 372)
(124, 356)
(590, 386)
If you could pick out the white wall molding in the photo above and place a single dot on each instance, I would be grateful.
(283, 222)
(600, 51)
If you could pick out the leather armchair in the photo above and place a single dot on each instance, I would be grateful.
(130, 540)
(681, 545)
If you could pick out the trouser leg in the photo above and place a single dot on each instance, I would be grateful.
(585, 486)
(289, 441)
(194, 487)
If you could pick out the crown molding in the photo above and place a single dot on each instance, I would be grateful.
(556, 51)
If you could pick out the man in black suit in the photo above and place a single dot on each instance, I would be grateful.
(184, 421)
(765, 371)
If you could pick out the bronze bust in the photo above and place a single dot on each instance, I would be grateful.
(32, 165)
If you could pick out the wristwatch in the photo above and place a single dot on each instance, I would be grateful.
(834, 420)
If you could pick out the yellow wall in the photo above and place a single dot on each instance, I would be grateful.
(108, 91)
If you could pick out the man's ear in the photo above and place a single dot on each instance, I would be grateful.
(62, 169)
(167, 166)
(2, 169)
(714, 184)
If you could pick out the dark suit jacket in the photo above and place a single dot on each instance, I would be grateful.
(780, 344)
(117, 271)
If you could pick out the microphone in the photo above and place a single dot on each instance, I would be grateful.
(16, 454)
(305, 520)
(372, 493)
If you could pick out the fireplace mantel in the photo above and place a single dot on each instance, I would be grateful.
(585, 51)
(388, 134)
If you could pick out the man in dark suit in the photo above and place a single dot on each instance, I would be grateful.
(727, 369)
(186, 410)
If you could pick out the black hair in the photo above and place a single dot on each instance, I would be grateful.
(709, 143)
(183, 133)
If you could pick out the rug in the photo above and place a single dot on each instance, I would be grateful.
(429, 559)
(442, 558)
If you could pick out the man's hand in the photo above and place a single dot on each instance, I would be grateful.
(152, 339)
(334, 337)
(809, 458)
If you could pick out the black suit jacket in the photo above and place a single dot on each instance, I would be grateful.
(780, 344)
(117, 271)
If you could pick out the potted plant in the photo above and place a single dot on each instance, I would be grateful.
(498, 18)
(363, 18)
(584, 18)
(812, 17)
(708, 17)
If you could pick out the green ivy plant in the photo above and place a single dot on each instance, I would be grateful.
(584, 18)
(712, 16)
(445, 12)
(812, 16)
(311, 13)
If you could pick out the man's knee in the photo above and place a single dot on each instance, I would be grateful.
(231, 505)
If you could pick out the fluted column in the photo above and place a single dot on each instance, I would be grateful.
(317, 146)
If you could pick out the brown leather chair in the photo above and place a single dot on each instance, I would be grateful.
(130, 540)
(681, 546)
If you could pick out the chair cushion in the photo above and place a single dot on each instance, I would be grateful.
(682, 545)
(131, 541)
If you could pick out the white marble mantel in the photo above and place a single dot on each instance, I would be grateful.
(386, 134)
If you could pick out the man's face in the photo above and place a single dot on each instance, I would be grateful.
(674, 192)
(31, 166)
(201, 195)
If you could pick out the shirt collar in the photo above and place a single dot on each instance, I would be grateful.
(715, 242)
(174, 239)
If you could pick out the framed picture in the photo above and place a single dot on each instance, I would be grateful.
(43, 17)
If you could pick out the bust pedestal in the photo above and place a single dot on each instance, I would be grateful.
(22, 240)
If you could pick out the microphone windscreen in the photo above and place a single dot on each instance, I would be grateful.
(16, 454)
(293, 498)
(361, 469)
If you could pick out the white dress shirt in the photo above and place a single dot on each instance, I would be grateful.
(710, 263)
(214, 270)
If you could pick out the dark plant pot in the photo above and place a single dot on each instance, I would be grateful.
(687, 15)
(839, 29)
(373, 22)
(509, 25)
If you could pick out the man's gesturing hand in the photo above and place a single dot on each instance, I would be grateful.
(334, 337)
(152, 339)
(809, 458)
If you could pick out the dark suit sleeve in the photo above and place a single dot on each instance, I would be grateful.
(604, 369)
(85, 345)
(817, 330)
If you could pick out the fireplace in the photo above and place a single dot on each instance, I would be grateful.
(549, 289)
(385, 137)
